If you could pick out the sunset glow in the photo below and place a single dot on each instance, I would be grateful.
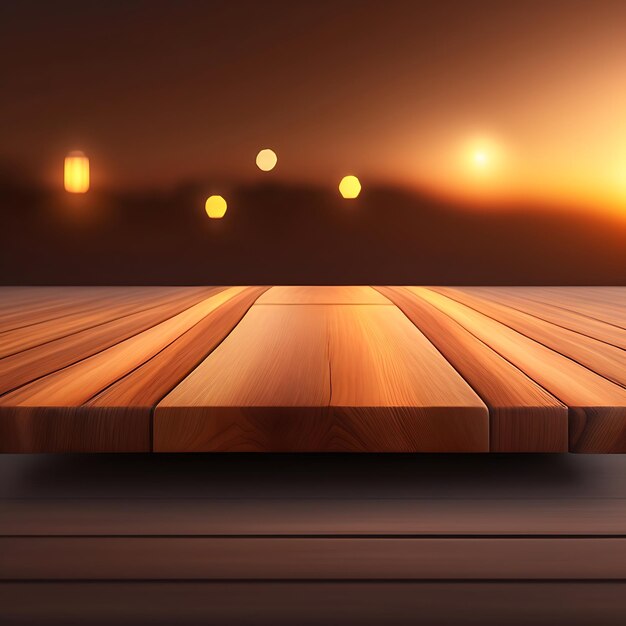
(447, 142)
(481, 159)
(529, 109)
(483, 155)
(76, 173)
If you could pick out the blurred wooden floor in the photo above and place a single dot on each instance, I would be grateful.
(313, 369)
(312, 539)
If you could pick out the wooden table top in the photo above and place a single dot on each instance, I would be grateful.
(364, 369)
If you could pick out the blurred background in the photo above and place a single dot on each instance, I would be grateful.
(489, 139)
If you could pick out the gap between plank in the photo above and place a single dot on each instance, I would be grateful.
(493, 319)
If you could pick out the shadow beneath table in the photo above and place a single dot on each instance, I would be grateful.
(313, 475)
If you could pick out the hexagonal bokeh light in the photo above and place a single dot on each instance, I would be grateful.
(350, 187)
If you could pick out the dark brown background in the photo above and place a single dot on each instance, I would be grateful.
(171, 101)
(278, 234)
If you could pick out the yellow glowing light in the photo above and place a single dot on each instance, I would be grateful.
(481, 159)
(215, 207)
(266, 160)
(483, 166)
(350, 187)
(76, 173)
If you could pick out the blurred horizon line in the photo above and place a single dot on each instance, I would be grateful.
(17, 177)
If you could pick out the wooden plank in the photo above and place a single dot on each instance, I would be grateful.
(523, 416)
(318, 516)
(15, 297)
(58, 304)
(322, 378)
(322, 295)
(597, 407)
(80, 382)
(265, 387)
(393, 391)
(23, 367)
(49, 414)
(585, 325)
(109, 306)
(613, 295)
(341, 603)
(576, 300)
(19, 305)
(146, 385)
(606, 360)
(379, 558)
(82, 365)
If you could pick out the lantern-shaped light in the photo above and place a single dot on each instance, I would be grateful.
(76, 173)
(215, 207)
(350, 187)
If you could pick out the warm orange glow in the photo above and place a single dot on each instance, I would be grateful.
(266, 160)
(350, 187)
(76, 173)
(215, 207)
(482, 154)
(481, 159)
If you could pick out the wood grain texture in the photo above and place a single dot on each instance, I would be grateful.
(253, 558)
(598, 294)
(46, 317)
(492, 505)
(597, 407)
(523, 416)
(341, 603)
(322, 295)
(25, 366)
(265, 387)
(23, 306)
(313, 369)
(49, 414)
(296, 515)
(391, 383)
(112, 304)
(354, 378)
(578, 299)
(146, 385)
(513, 297)
(41, 320)
(606, 360)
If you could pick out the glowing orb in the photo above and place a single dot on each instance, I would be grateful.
(76, 173)
(350, 187)
(481, 158)
(266, 160)
(215, 207)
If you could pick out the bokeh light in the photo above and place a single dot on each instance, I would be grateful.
(76, 172)
(266, 160)
(215, 207)
(481, 159)
(483, 154)
(350, 187)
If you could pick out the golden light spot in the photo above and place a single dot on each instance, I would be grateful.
(482, 168)
(481, 159)
(215, 207)
(350, 187)
(76, 173)
(266, 160)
